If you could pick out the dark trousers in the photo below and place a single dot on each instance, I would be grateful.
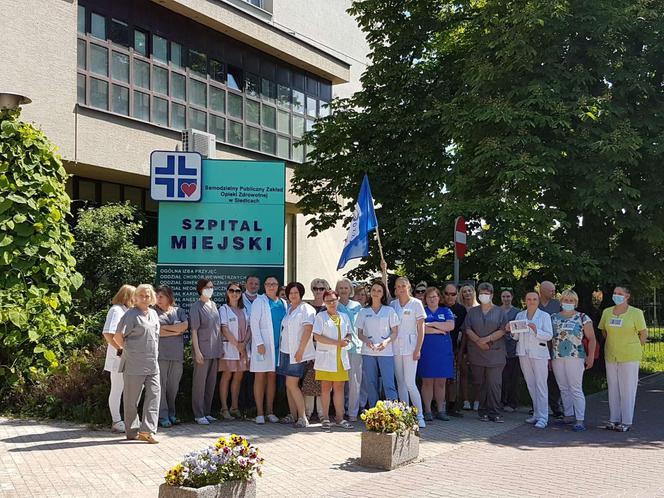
(489, 381)
(511, 375)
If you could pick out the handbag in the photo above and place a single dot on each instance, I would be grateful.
(585, 341)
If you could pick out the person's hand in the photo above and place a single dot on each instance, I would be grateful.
(532, 327)
(343, 342)
(507, 327)
(589, 362)
(484, 346)
(261, 349)
(416, 355)
(199, 358)
(298, 355)
(484, 340)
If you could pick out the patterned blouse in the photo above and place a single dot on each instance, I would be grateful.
(568, 335)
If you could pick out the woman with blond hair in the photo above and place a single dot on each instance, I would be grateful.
(138, 336)
(311, 388)
(468, 299)
(121, 302)
(408, 346)
(351, 308)
(569, 357)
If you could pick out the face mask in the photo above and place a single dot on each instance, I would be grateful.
(484, 298)
(208, 293)
(568, 306)
(618, 299)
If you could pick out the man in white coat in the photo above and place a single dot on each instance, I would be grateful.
(267, 312)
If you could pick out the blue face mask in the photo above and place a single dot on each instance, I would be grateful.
(567, 306)
(618, 299)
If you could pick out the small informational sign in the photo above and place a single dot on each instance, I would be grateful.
(519, 326)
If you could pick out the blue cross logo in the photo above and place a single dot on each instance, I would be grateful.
(175, 176)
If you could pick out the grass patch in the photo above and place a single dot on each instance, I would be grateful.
(653, 360)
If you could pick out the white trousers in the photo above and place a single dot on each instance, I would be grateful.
(569, 376)
(623, 379)
(115, 396)
(354, 384)
(310, 402)
(535, 372)
(405, 369)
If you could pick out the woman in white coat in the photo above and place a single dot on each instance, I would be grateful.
(533, 352)
(333, 334)
(408, 345)
(295, 350)
(267, 312)
(235, 328)
(122, 301)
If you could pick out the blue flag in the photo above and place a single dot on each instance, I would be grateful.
(364, 221)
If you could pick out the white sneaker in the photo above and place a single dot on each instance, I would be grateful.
(302, 423)
(272, 418)
(118, 427)
(210, 418)
(260, 420)
(202, 421)
(420, 423)
(466, 405)
(540, 424)
(476, 405)
(531, 420)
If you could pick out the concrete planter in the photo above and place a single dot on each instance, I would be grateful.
(389, 451)
(232, 489)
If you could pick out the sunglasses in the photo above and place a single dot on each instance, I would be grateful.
(420, 291)
(320, 289)
(235, 291)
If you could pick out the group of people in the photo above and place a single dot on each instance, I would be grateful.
(351, 346)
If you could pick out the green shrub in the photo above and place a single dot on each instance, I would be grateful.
(37, 270)
(107, 255)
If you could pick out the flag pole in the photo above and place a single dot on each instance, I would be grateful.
(380, 246)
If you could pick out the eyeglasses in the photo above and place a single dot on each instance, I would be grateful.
(450, 293)
(271, 284)
(235, 291)
(420, 291)
(320, 289)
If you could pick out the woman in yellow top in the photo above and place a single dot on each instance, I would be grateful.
(333, 334)
(624, 328)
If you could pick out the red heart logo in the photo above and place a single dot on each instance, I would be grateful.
(188, 188)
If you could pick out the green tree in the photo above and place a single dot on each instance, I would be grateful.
(107, 255)
(542, 122)
(37, 270)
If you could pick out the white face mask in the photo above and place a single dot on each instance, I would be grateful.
(568, 306)
(208, 293)
(484, 298)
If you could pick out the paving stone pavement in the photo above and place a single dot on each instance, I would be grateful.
(463, 457)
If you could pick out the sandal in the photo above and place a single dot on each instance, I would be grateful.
(226, 415)
(344, 424)
(325, 424)
(288, 419)
(622, 428)
(611, 426)
(235, 413)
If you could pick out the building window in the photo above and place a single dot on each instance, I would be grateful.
(249, 101)
(119, 32)
(159, 48)
(98, 26)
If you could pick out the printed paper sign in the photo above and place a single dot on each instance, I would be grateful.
(519, 326)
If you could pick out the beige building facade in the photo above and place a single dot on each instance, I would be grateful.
(111, 81)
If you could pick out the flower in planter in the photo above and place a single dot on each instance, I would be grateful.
(390, 416)
(229, 459)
